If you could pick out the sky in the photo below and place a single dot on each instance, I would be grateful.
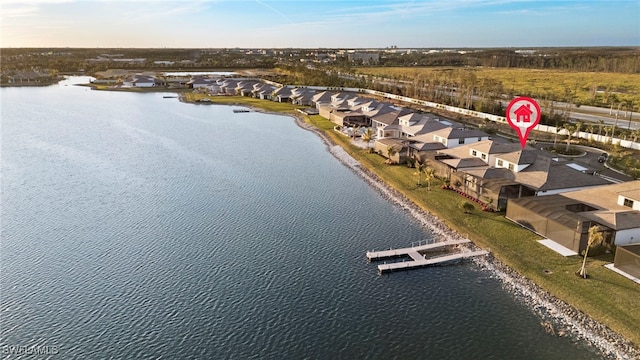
(318, 23)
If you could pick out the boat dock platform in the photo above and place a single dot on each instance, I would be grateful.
(419, 260)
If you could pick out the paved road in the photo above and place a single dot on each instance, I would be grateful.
(590, 161)
(602, 115)
(591, 114)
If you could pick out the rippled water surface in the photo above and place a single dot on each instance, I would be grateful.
(139, 227)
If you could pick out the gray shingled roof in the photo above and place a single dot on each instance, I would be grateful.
(388, 115)
(495, 146)
(324, 96)
(545, 174)
(617, 220)
(458, 133)
(520, 157)
(464, 163)
(283, 92)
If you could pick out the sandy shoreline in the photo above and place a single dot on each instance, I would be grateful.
(557, 317)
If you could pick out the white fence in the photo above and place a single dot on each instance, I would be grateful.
(501, 119)
(543, 128)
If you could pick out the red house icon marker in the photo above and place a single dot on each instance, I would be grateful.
(523, 113)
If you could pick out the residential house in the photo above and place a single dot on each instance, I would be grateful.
(383, 115)
(400, 147)
(487, 171)
(349, 110)
(215, 87)
(627, 260)
(245, 87)
(456, 136)
(323, 97)
(228, 86)
(200, 82)
(302, 96)
(30, 76)
(139, 80)
(263, 91)
(567, 217)
(282, 94)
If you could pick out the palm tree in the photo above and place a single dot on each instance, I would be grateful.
(419, 169)
(391, 151)
(367, 136)
(600, 124)
(429, 172)
(595, 237)
(355, 131)
(591, 129)
(571, 128)
(555, 135)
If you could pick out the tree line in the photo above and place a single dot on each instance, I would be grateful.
(622, 60)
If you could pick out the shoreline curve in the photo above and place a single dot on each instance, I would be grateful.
(557, 316)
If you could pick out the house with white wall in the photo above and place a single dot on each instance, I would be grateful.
(139, 80)
(566, 218)
(505, 171)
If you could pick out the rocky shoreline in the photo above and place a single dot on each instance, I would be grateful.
(557, 317)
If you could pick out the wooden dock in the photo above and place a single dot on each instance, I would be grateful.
(378, 255)
(417, 259)
(426, 262)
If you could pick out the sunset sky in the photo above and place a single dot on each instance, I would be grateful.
(311, 24)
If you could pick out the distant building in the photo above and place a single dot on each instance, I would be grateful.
(363, 57)
(139, 80)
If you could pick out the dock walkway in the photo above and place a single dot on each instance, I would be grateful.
(431, 261)
(377, 255)
(419, 260)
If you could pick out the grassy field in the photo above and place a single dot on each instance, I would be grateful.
(533, 82)
(271, 106)
(605, 296)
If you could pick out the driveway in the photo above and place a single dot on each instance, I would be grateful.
(590, 161)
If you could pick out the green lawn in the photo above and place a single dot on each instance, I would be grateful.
(605, 296)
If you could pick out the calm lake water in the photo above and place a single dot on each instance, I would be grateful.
(138, 227)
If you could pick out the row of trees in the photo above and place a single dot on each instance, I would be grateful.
(622, 60)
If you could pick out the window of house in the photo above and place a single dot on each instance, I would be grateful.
(510, 167)
(461, 141)
(474, 153)
(628, 203)
(484, 156)
(500, 163)
(479, 138)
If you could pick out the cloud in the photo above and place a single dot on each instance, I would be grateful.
(20, 11)
(275, 10)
